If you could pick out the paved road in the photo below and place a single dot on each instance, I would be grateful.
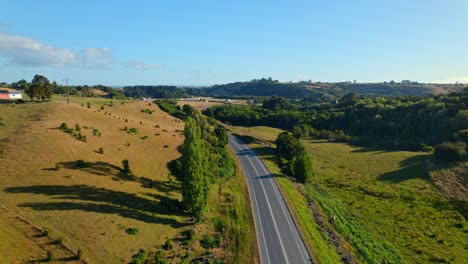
(277, 235)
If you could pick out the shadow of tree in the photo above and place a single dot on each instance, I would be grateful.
(101, 168)
(412, 168)
(100, 200)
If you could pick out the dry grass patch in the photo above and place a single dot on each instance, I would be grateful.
(91, 206)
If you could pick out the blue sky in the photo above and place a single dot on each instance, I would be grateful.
(209, 42)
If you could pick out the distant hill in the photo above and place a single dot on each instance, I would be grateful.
(320, 91)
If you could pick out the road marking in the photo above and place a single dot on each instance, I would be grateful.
(280, 197)
(257, 213)
(271, 211)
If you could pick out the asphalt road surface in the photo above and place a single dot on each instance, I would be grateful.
(277, 235)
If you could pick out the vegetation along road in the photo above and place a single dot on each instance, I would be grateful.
(277, 235)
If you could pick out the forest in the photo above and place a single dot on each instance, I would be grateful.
(407, 122)
(154, 91)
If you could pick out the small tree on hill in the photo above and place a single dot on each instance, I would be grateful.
(126, 166)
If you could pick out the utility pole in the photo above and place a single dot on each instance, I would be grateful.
(68, 89)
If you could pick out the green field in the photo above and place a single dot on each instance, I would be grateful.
(383, 202)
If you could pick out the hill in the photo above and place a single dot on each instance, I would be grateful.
(73, 192)
(320, 92)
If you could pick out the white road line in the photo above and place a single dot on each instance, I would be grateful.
(280, 198)
(257, 211)
(271, 212)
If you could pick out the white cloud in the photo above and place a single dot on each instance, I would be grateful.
(96, 58)
(23, 51)
(462, 79)
(142, 66)
(29, 52)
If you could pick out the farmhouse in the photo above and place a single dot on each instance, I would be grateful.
(10, 95)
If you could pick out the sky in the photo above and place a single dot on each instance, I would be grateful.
(212, 42)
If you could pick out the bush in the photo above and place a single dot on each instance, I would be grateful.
(165, 146)
(139, 258)
(102, 107)
(425, 148)
(88, 105)
(20, 101)
(132, 130)
(189, 234)
(210, 241)
(126, 120)
(63, 126)
(169, 245)
(77, 128)
(126, 166)
(450, 152)
(101, 150)
(79, 254)
(49, 257)
(132, 231)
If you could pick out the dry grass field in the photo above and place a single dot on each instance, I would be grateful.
(199, 105)
(91, 207)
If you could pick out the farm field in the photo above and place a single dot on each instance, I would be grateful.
(385, 196)
(91, 207)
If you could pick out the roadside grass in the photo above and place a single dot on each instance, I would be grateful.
(388, 194)
(229, 216)
(319, 245)
(91, 206)
(383, 202)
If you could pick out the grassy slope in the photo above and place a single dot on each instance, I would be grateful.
(392, 196)
(90, 208)
(386, 194)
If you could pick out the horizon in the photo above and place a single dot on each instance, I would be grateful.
(208, 43)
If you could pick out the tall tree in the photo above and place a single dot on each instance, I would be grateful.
(303, 168)
(195, 182)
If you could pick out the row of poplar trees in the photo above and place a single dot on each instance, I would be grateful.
(205, 160)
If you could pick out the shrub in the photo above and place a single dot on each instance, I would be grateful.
(189, 234)
(88, 105)
(79, 254)
(102, 107)
(63, 126)
(139, 258)
(77, 127)
(111, 103)
(132, 231)
(49, 257)
(45, 232)
(168, 245)
(20, 101)
(101, 150)
(157, 134)
(126, 120)
(126, 166)
(165, 146)
(132, 130)
(144, 137)
(450, 152)
(425, 148)
(59, 241)
(156, 126)
(210, 241)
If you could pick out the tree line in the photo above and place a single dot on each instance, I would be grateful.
(205, 160)
(155, 91)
